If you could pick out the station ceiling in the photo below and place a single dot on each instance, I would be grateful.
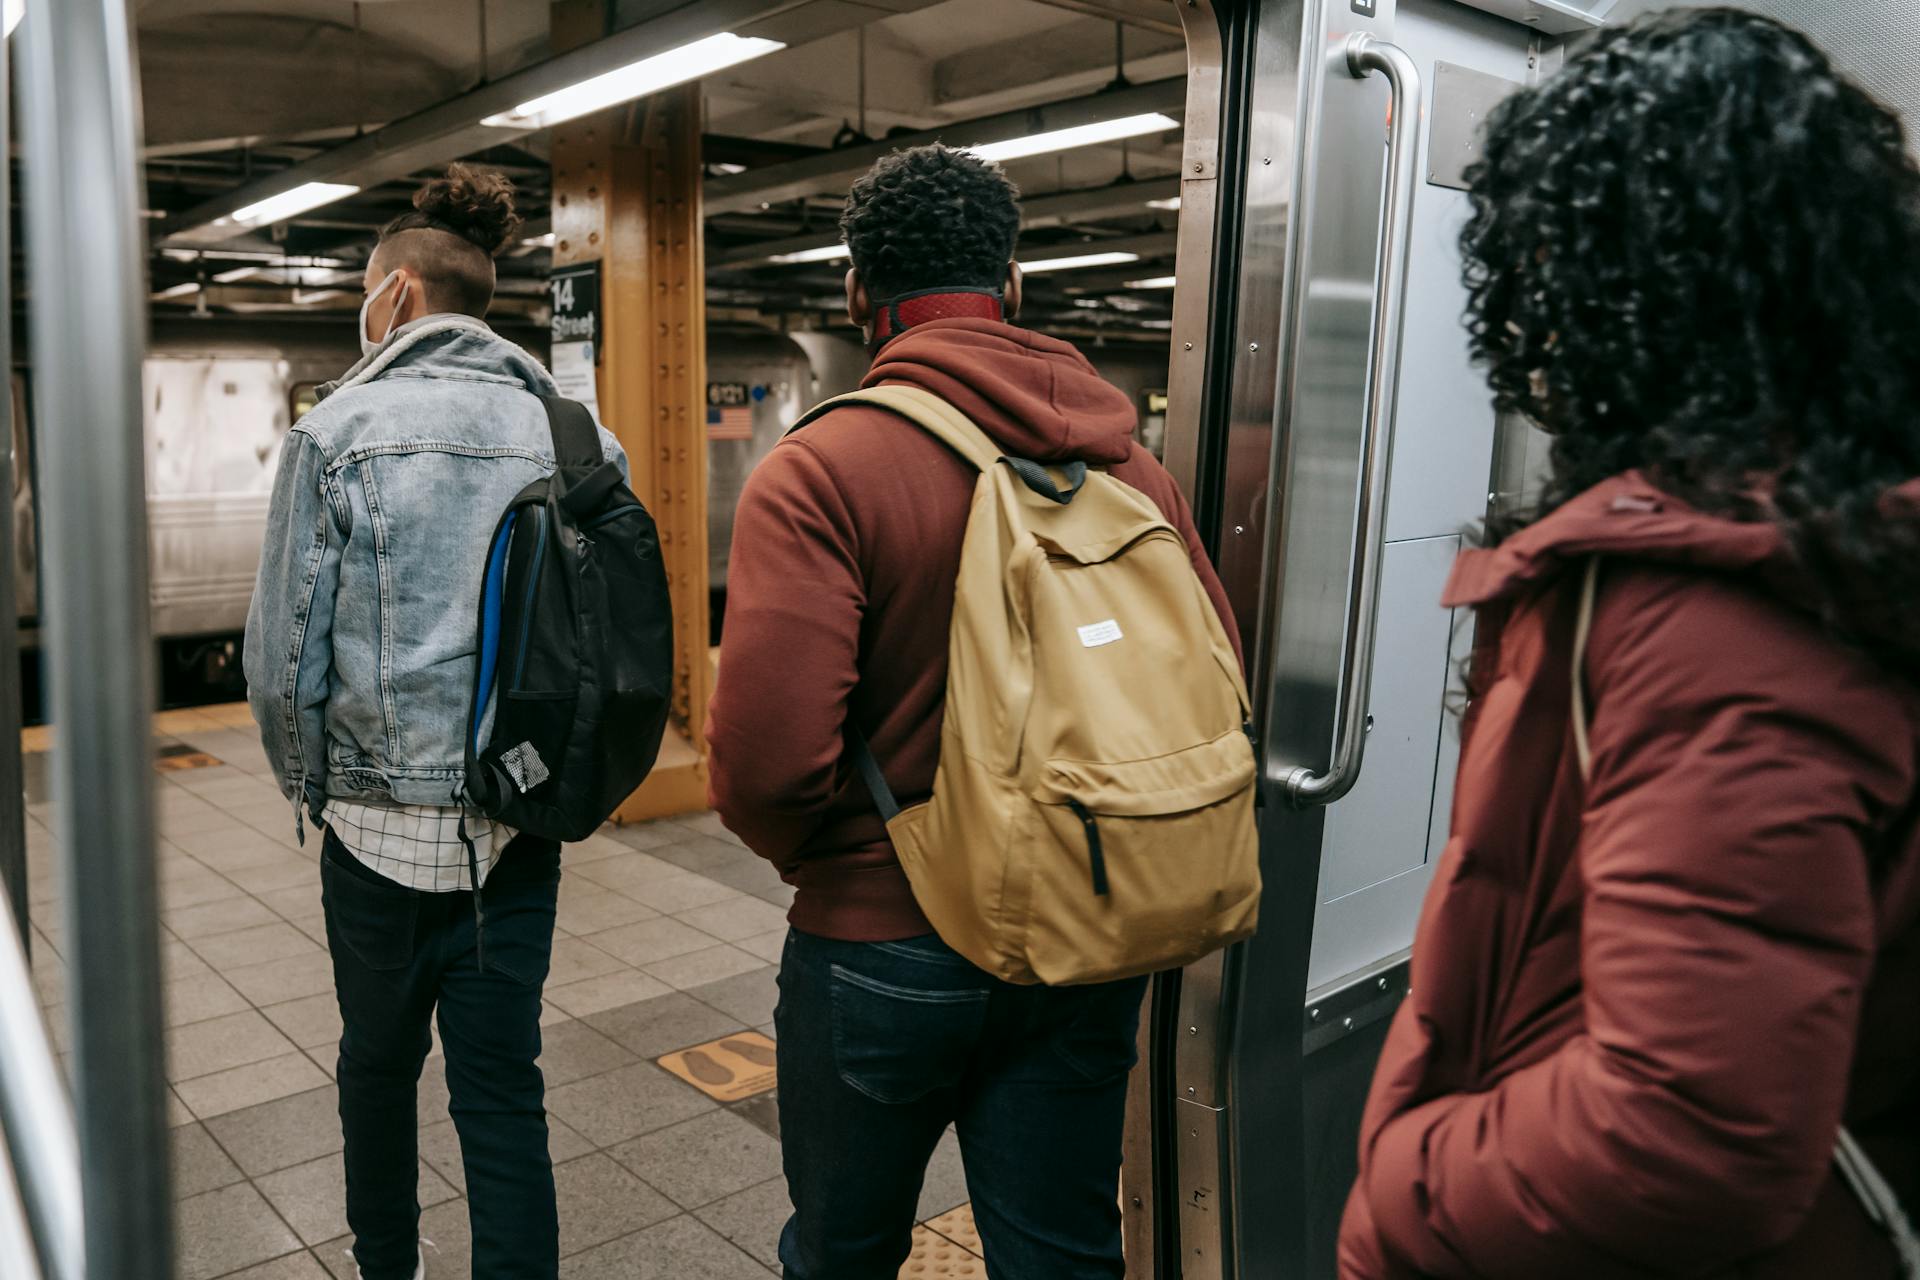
(246, 96)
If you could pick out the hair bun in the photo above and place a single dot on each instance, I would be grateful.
(472, 203)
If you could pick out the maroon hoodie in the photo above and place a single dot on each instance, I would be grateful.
(840, 591)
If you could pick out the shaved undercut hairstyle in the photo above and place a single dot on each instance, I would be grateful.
(458, 225)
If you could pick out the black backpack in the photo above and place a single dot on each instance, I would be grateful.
(575, 677)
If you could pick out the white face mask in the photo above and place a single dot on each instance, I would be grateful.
(369, 345)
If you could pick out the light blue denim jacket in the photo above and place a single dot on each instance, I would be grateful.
(360, 640)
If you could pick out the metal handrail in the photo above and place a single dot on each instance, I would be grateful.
(1365, 55)
(36, 1120)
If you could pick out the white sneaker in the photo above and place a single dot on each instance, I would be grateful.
(419, 1272)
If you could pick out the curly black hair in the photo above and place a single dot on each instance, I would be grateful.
(931, 217)
(1696, 251)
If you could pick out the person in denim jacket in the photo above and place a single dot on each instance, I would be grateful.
(360, 660)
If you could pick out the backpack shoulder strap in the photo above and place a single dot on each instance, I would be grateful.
(576, 441)
(1582, 628)
(925, 410)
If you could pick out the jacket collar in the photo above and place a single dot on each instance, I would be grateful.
(447, 344)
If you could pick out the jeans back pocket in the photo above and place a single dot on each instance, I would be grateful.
(898, 1044)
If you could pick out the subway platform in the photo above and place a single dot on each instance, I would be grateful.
(658, 1036)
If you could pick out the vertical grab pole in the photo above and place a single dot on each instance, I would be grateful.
(80, 108)
(13, 810)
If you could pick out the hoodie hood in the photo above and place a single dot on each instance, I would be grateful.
(448, 345)
(1038, 397)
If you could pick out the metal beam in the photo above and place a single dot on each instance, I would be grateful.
(13, 811)
(80, 103)
(834, 171)
(453, 129)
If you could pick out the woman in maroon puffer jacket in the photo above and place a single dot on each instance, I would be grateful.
(1646, 997)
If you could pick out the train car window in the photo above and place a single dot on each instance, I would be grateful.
(1152, 432)
(214, 423)
(304, 396)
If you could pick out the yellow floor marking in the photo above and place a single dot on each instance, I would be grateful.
(935, 1257)
(728, 1069)
(958, 1226)
(186, 760)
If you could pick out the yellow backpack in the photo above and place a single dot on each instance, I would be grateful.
(1092, 814)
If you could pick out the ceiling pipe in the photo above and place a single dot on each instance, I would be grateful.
(834, 171)
(452, 128)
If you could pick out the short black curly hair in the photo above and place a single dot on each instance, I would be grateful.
(1696, 251)
(931, 217)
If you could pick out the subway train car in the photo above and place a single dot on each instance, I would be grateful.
(220, 393)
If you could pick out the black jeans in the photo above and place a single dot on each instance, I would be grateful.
(397, 955)
(884, 1044)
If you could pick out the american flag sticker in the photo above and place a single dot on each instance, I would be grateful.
(729, 411)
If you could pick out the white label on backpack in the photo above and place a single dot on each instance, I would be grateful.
(526, 766)
(1100, 633)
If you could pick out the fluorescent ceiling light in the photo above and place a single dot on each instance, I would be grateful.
(540, 241)
(1172, 202)
(1080, 135)
(238, 273)
(15, 10)
(636, 80)
(308, 195)
(1081, 260)
(1156, 282)
(825, 253)
(178, 290)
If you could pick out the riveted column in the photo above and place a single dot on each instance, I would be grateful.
(626, 192)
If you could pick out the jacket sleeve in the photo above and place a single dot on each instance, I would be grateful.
(1740, 768)
(289, 644)
(789, 653)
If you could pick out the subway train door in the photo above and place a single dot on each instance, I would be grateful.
(1336, 442)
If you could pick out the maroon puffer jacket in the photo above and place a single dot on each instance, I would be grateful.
(1643, 1003)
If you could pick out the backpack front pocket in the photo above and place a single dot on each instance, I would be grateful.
(1142, 865)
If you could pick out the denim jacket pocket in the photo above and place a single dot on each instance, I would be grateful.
(372, 919)
(898, 1044)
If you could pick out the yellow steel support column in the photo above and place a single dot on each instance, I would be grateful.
(626, 192)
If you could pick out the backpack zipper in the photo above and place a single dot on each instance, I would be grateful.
(526, 607)
(1096, 855)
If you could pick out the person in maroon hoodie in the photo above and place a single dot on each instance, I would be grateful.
(1648, 992)
(841, 585)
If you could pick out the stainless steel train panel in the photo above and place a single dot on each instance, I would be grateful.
(1374, 863)
(1315, 352)
(1444, 440)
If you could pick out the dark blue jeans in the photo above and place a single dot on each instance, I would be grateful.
(398, 954)
(885, 1044)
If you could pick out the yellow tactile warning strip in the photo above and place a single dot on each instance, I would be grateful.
(229, 715)
(958, 1227)
(175, 758)
(935, 1257)
(728, 1069)
(37, 737)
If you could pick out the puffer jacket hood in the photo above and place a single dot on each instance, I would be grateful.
(1629, 517)
(1038, 397)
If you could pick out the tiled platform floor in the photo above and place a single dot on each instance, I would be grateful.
(668, 934)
